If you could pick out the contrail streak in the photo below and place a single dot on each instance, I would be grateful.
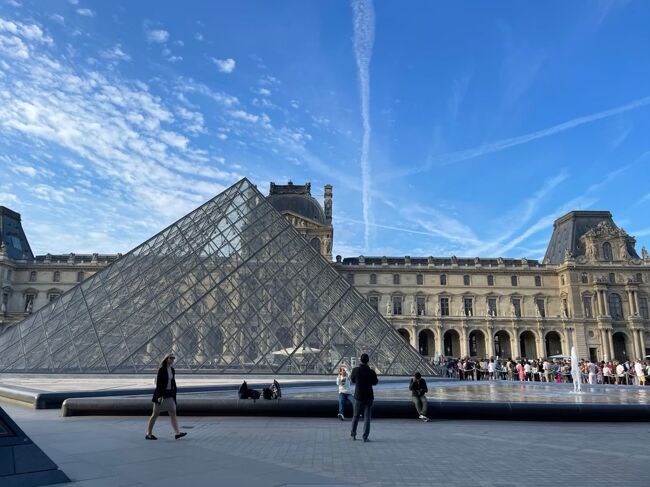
(464, 155)
(364, 35)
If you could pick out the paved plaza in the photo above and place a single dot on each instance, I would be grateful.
(236, 451)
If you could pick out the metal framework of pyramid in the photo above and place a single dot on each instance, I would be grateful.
(231, 287)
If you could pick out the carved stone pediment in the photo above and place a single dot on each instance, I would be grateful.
(300, 221)
(621, 245)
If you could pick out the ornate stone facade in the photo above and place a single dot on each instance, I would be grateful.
(592, 293)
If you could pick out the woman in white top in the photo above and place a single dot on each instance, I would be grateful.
(343, 382)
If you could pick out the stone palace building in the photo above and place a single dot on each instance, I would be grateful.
(590, 291)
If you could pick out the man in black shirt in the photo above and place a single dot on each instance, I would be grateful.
(364, 378)
(418, 388)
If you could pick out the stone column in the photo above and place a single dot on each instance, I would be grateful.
(605, 303)
(635, 295)
(630, 300)
(516, 352)
(540, 343)
(635, 345)
(610, 342)
(641, 344)
(604, 344)
(490, 341)
(464, 341)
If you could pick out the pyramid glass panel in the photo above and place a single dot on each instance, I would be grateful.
(231, 287)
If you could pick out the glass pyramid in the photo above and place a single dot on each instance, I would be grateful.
(229, 288)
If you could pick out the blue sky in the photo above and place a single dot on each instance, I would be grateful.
(459, 128)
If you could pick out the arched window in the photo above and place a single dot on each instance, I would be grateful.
(57, 276)
(607, 252)
(373, 278)
(32, 276)
(538, 281)
(513, 281)
(395, 278)
(490, 280)
(615, 306)
(443, 279)
(584, 278)
(80, 276)
(466, 280)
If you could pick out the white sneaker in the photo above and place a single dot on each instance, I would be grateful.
(340, 416)
(422, 416)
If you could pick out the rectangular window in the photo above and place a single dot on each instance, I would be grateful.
(444, 306)
(513, 280)
(395, 278)
(421, 306)
(32, 276)
(443, 279)
(492, 306)
(397, 305)
(612, 278)
(468, 306)
(490, 280)
(9, 274)
(643, 308)
(350, 278)
(53, 296)
(540, 307)
(466, 281)
(586, 304)
(419, 279)
(538, 281)
(374, 302)
(516, 303)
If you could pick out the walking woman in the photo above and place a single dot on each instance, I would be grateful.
(164, 397)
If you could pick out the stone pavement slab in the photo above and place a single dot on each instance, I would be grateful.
(235, 451)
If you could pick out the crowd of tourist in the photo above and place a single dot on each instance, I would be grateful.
(548, 370)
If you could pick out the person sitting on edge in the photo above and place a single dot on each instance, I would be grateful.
(342, 381)
(418, 388)
(364, 378)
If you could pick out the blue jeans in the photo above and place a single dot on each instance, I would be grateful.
(366, 409)
(343, 396)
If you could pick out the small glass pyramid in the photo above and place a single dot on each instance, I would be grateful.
(231, 287)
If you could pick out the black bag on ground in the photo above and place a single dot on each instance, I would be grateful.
(253, 394)
(243, 391)
(267, 393)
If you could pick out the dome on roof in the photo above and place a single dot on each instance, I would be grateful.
(300, 204)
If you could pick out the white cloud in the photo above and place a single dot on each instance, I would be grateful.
(59, 19)
(115, 53)
(85, 12)
(264, 92)
(243, 115)
(27, 170)
(198, 36)
(73, 2)
(221, 136)
(7, 198)
(225, 65)
(157, 36)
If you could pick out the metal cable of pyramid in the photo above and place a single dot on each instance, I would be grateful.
(231, 287)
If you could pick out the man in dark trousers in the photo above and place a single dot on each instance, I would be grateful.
(418, 388)
(364, 378)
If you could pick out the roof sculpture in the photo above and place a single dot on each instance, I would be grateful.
(225, 288)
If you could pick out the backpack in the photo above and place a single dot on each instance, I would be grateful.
(243, 391)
